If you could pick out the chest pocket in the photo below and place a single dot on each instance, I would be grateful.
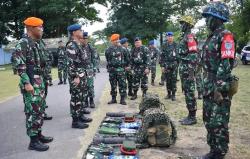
(138, 57)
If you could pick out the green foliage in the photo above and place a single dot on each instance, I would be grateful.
(57, 15)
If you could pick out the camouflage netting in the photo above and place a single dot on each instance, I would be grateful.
(157, 129)
(150, 101)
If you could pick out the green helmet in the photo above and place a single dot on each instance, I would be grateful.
(187, 19)
(218, 10)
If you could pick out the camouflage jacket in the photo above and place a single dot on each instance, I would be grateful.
(29, 59)
(48, 58)
(140, 57)
(168, 54)
(116, 57)
(78, 59)
(183, 51)
(92, 60)
(217, 70)
(62, 57)
(154, 54)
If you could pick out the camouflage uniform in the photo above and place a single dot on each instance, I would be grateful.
(98, 62)
(62, 65)
(29, 61)
(199, 77)
(129, 75)
(91, 70)
(169, 61)
(77, 67)
(117, 60)
(139, 61)
(154, 54)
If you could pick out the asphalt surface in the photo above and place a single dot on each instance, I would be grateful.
(14, 141)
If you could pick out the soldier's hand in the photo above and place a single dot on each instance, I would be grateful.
(162, 69)
(29, 88)
(218, 97)
(76, 81)
(146, 71)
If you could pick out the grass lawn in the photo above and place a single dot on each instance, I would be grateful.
(9, 82)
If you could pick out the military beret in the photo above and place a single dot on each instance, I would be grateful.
(123, 40)
(137, 39)
(169, 34)
(74, 27)
(33, 21)
(151, 42)
(85, 34)
(115, 37)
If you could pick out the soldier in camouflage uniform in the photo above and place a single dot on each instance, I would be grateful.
(124, 43)
(62, 64)
(169, 63)
(188, 53)
(77, 71)
(98, 62)
(217, 57)
(140, 63)
(117, 65)
(91, 70)
(161, 83)
(29, 61)
(154, 54)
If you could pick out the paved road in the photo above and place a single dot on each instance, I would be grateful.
(13, 138)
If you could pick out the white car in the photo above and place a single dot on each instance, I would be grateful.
(245, 55)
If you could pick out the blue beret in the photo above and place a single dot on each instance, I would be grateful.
(74, 27)
(85, 34)
(151, 42)
(123, 40)
(169, 34)
(137, 39)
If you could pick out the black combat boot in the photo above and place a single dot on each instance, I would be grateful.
(173, 96)
(161, 83)
(153, 82)
(76, 123)
(85, 119)
(65, 81)
(98, 70)
(50, 83)
(44, 139)
(113, 100)
(168, 95)
(122, 101)
(191, 120)
(130, 92)
(85, 111)
(36, 145)
(144, 93)
(134, 95)
(61, 82)
(87, 102)
(47, 117)
(91, 102)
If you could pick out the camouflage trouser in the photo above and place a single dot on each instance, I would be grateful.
(139, 77)
(216, 119)
(34, 107)
(78, 96)
(62, 72)
(129, 79)
(199, 80)
(90, 83)
(187, 72)
(48, 72)
(153, 72)
(117, 78)
(171, 78)
(163, 77)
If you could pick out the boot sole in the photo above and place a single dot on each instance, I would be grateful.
(79, 127)
(39, 150)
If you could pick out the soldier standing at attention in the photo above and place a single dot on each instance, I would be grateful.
(62, 64)
(154, 54)
(117, 64)
(125, 44)
(217, 58)
(169, 65)
(91, 69)
(28, 61)
(140, 63)
(188, 52)
(77, 59)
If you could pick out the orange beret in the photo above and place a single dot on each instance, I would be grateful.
(115, 37)
(33, 21)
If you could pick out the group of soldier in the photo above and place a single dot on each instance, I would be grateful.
(215, 60)
(130, 68)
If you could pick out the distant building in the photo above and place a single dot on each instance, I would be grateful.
(4, 57)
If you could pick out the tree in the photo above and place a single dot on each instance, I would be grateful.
(57, 15)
